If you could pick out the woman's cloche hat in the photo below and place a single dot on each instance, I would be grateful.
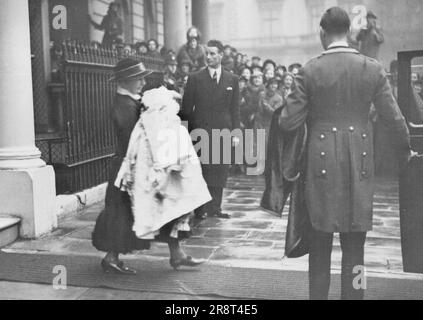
(129, 68)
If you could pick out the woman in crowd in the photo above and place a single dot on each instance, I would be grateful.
(153, 49)
(269, 102)
(114, 232)
(280, 71)
(192, 51)
(246, 74)
(141, 47)
(227, 61)
(252, 97)
(239, 64)
(286, 85)
(269, 64)
(269, 73)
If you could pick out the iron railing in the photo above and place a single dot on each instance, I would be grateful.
(81, 114)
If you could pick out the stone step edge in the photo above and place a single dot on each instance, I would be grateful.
(7, 222)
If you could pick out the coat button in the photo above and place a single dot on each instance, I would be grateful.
(364, 154)
(364, 173)
(352, 129)
(322, 136)
(324, 172)
(334, 129)
(364, 136)
(323, 154)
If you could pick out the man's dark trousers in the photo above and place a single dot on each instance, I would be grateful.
(212, 207)
(352, 245)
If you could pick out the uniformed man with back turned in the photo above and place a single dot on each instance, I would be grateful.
(333, 96)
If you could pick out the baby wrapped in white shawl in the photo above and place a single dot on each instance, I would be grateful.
(161, 171)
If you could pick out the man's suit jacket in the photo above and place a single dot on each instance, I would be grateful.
(208, 106)
(333, 94)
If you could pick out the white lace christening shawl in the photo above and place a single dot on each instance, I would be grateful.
(161, 171)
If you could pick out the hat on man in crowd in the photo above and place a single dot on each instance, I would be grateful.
(256, 73)
(371, 15)
(281, 67)
(269, 61)
(141, 44)
(171, 60)
(294, 66)
(129, 68)
(256, 68)
(243, 79)
(186, 62)
(271, 81)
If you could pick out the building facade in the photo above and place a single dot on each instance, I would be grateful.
(287, 30)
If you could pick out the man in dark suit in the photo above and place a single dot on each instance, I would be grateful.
(333, 93)
(210, 103)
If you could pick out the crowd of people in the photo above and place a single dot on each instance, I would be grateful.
(264, 84)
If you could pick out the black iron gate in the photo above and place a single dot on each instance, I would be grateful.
(84, 140)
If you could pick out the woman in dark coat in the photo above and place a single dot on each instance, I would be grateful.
(113, 230)
(270, 101)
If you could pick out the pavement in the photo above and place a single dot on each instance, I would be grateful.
(253, 238)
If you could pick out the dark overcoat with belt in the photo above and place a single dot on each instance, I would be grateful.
(334, 93)
(208, 106)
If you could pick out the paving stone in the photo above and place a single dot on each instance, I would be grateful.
(206, 242)
(266, 235)
(243, 201)
(90, 216)
(248, 243)
(246, 253)
(224, 233)
(394, 223)
(237, 224)
(385, 232)
(61, 232)
(199, 232)
(84, 233)
(253, 215)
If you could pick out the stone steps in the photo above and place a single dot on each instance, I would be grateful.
(9, 230)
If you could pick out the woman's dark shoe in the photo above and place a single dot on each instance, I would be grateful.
(116, 267)
(187, 262)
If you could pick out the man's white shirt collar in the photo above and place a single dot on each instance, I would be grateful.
(125, 92)
(213, 70)
(341, 43)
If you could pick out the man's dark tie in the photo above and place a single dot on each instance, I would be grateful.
(215, 77)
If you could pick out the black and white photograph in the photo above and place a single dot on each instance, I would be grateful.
(223, 151)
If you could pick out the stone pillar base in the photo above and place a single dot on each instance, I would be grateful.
(30, 195)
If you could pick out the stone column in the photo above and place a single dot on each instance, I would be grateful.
(201, 17)
(27, 185)
(174, 23)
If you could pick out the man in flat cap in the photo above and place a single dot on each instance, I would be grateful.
(333, 95)
(371, 37)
